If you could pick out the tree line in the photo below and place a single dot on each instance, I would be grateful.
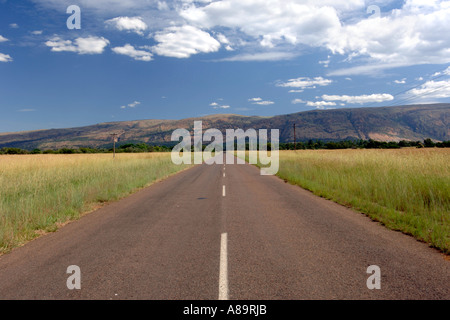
(363, 144)
(125, 148)
(301, 145)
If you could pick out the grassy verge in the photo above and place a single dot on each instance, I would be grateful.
(406, 190)
(40, 192)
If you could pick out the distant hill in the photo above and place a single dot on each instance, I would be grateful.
(414, 122)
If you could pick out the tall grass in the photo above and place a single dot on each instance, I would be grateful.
(40, 192)
(406, 190)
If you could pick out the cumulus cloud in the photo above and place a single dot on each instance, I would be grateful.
(5, 57)
(305, 83)
(268, 30)
(402, 81)
(131, 24)
(131, 105)
(222, 107)
(260, 101)
(184, 41)
(296, 101)
(264, 103)
(320, 103)
(362, 99)
(88, 45)
(216, 105)
(270, 22)
(415, 34)
(3, 39)
(132, 52)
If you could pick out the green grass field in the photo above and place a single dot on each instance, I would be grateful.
(406, 190)
(38, 193)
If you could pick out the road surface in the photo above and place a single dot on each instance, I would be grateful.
(224, 232)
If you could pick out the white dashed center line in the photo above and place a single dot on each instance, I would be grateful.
(223, 273)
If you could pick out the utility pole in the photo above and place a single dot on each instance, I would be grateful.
(114, 144)
(295, 144)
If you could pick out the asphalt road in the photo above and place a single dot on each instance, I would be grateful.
(224, 232)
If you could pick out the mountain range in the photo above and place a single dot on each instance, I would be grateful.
(412, 122)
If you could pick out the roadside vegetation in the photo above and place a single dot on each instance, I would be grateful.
(406, 190)
(40, 192)
(300, 145)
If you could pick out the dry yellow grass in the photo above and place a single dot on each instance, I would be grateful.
(40, 192)
(405, 189)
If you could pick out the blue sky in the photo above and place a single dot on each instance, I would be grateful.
(150, 59)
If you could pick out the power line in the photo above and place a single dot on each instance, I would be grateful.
(447, 85)
(416, 86)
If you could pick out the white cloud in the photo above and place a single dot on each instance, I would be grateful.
(415, 34)
(36, 32)
(216, 105)
(131, 105)
(184, 41)
(370, 69)
(359, 99)
(162, 6)
(88, 45)
(319, 103)
(403, 81)
(444, 72)
(132, 24)
(260, 101)
(296, 101)
(270, 22)
(5, 57)
(91, 45)
(14, 25)
(325, 63)
(100, 6)
(3, 39)
(305, 83)
(59, 45)
(222, 39)
(431, 89)
(134, 104)
(262, 56)
(130, 51)
(264, 103)
(222, 107)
